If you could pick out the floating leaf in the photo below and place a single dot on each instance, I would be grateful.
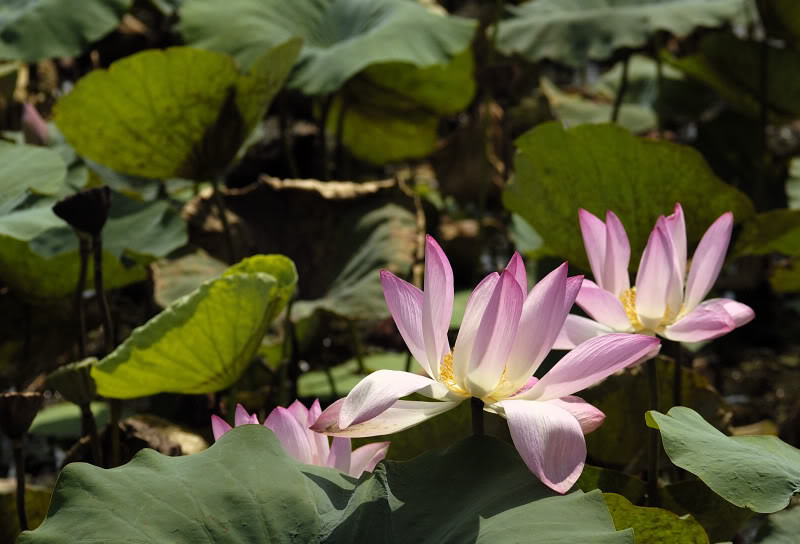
(475, 491)
(32, 30)
(582, 30)
(341, 38)
(604, 167)
(204, 341)
(63, 420)
(26, 169)
(345, 376)
(654, 525)
(179, 112)
(757, 472)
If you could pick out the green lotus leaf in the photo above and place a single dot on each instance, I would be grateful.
(26, 169)
(775, 231)
(781, 528)
(576, 31)
(179, 112)
(203, 341)
(654, 525)
(756, 472)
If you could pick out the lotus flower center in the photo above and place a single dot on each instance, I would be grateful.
(447, 377)
(628, 299)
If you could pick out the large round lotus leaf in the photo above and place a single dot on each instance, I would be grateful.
(475, 491)
(180, 112)
(604, 167)
(26, 169)
(341, 37)
(32, 30)
(39, 252)
(756, 472)
(203, 341)
(654, 525)
(576, 31)
(775, 231)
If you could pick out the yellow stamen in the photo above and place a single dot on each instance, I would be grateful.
(628, 299)
(447, 377)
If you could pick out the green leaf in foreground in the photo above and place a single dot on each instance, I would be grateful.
(654, 525)
(475, 491)
(203, 341)
(604, 167)
(757, 472)
(781, 528)
(26, 169)
(179, 112)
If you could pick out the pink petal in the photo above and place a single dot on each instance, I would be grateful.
(618, 255)
(655, 279)
(290, 433)
(517, 268)
(319, 442)
(405, 303)
(495, 337)
(549, 439)
(379, 390)
(589, 417)
(366, 457)
(594, 241)
(603, 306)
(705, 322)
(473, 314)
(399, 417)
(437, 307)
(339, 457)
(538, 324)
(577, 330)
(243, 418)
(219, 426)
(300, 412)
(707, 260)
(34, 127)
(741, 314)
(676, 227)
(592, 361)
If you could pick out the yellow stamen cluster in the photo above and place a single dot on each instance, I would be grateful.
(628, 298)
(446, 375)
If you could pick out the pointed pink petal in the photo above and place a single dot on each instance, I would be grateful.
(291, 434)
(243, 418)
(591, 362)
(655, 279)
(705, 322)
(399, 417)
(339, 457)
(676, 227)
(219, 426)
(300, 412)
(603, 306)
(405, 303)
(319, 442)
(549, 439)
(517, 268)
(495, 337)
(366, 457)
(473, 314)
(538, 324)
(618, 255)
(589, 417)
(594, 241)
(741, 314)
(379, 390)
(34, 127)
(437, 308)
(707, 260)
(577, 330)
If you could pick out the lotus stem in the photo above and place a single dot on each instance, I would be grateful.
(653, 442)
(674, 349)
(343, 105)
(325, 173)
(408, 361)
(89, 426)
(623, 87)
(108, 327)
(286, 136)
(80, 312)
(477, 416)
(116, 412)
(226, 227)
(18, 446)
(290, 353)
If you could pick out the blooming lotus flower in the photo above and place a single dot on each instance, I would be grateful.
(291, 426)
(504, 337)
(664, 301)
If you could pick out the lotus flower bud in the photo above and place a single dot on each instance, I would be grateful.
(17, 411)
(86, 211)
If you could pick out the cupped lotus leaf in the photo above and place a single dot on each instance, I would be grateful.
(732, 67)
(756, 472)
(203, 341)
(341, 37)
(179, 112)
(475, 491)
(576, 31)
(605, 167)
(654, 525)
(26, 169)
(32, 30)
(39, 252)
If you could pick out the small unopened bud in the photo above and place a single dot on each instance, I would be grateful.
(86, 211)
(34, 127)
(17, 411)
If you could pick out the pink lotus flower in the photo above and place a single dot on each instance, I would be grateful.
(662, 302)
(34, 127)
(504, 337)
(292, 427)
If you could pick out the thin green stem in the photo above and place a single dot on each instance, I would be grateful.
(290, 349)
(100, 293)
(116, 450)
(80, 312)
(408, 361)
(477, 416)
(219, 201)
(343, 105)
(89, 427)
(623, 87)
(322, 123)
(286, 136)
(18, 446)
(654, 437)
